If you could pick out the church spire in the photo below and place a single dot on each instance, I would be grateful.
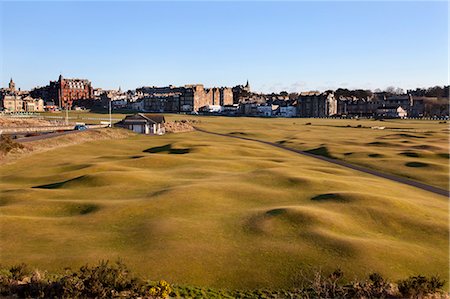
(12, 85)
(247, 86)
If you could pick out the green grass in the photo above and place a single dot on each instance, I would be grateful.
(225, 213)
(388, 150)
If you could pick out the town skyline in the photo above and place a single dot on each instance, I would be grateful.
(389, 88)
(354, 45)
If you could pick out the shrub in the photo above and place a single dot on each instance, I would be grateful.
(328, 287)
(115, 281)
(19, 272)
(161, 290)
(419, 286)
(375, 287)
(101, 281)
(7, 144)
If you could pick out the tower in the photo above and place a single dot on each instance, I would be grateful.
(12, 85)
(247, 86)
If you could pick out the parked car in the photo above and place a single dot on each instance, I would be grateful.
(80, 127)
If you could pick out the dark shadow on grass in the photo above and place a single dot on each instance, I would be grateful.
(416, 164)
(276, 212)
(375, 155)
(320, 151)
(57, 185)
(410, 154)
(167, 148)
(378, 143)
(330, 197)
(87, 209)
(238, 133)
(159, 192)
(444, 155)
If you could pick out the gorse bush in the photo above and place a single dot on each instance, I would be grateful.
(102, 281)
(375, 287)
(19, 272)
(7, 144)
(420, 286)
(328, 287)
(107, 280)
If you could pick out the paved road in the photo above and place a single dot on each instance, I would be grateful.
(380, 174)
(45, 136)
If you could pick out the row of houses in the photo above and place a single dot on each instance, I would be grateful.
(17, 103)
(307, 104)
(239, 100)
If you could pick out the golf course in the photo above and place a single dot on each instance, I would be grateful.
(214, 211)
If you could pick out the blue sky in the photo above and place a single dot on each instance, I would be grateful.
(277, 46)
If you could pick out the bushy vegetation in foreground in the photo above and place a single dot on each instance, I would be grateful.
(107, 280)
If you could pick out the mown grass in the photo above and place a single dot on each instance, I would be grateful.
(390, 150)
(226, 213)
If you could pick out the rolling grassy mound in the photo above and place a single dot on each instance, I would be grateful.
(206, 210)
(396, 149)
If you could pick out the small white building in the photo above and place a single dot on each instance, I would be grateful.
(391, 112)
(212, 109)
(149, 124)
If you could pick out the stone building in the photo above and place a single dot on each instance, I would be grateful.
(11, 103)
(241, 93)
(17, 103)
(184, 99)
(64, 92)
(33, 105)
(68, 90)
(353, 106)
(316, 104)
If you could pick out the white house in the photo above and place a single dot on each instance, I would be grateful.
(149, 124)
(391, 112)
(212, 108)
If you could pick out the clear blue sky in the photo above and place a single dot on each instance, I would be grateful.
(276, 45)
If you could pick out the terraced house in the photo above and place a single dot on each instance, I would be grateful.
(316, 104)
(188, 98)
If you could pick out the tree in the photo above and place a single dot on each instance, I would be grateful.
(394, 90)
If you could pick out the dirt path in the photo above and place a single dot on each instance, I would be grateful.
(380, 174)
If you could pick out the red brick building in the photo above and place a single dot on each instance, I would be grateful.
(65, 91)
